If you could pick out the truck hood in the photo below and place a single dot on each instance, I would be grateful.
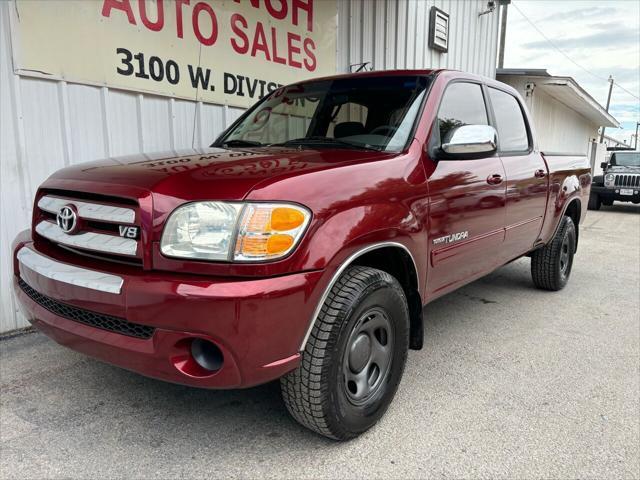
(211, 173)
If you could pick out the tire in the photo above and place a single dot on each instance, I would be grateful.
(365, 314)
(594, 202)
(551, 265)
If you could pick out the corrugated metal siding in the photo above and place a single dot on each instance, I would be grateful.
(393, 34)
(46, 125)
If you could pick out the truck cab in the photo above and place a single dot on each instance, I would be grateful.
(620, 180)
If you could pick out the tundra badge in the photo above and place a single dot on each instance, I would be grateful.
(454, 237)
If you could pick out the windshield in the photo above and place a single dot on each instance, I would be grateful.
(626, 159)
(376, 113)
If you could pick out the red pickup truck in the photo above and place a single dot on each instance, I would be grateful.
(304, 244)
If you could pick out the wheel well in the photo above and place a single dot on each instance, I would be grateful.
(398, 263)
(573, 211)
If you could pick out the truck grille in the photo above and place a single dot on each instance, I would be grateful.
(632, 181)
(93, 319)
(96, 232)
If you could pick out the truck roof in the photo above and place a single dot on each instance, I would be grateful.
(421, 72)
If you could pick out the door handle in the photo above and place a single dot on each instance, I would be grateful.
(540, 173)
(495, 179)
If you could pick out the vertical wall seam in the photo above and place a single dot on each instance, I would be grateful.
(20, 139)
(65, 125)
(172, 124)
(106, 128)
(200, 122)
(140, 121)
(361, 31)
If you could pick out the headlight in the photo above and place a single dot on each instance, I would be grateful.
(233, 231)
(609, 179)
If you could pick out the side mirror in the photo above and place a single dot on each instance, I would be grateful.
(470, 141)
(603, 165)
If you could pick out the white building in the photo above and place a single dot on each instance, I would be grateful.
(566, 118)
(67, 96)
(610, 142)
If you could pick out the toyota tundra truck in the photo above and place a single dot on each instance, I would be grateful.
(305, 242)
(620, 180)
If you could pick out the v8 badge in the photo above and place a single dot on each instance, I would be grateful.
(129, 232)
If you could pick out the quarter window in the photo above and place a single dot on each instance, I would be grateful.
(462, 104)
(512, 129)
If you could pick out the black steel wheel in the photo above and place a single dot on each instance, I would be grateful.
(551, 265)
(354, 358)
(367, 359)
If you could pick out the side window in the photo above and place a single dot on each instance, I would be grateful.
(462, 104)
(512, 130)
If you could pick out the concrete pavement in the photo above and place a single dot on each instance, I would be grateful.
(512, 382)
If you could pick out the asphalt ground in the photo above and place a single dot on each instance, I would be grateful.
(512, 383)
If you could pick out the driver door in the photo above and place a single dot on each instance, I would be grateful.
(466, 199)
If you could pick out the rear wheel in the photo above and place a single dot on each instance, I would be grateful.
(354, 358)
(594, 202)
(551, 264)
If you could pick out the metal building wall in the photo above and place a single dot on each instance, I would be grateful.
(393, 34)
(46, 125)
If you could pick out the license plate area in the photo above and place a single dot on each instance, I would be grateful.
(626, 191)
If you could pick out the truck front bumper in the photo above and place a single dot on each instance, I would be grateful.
(146, 321)
(611, 194)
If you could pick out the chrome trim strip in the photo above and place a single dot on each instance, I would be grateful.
(97, 242)
(61, 272)
(91, 211)
(339, 272)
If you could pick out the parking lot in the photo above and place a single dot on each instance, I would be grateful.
(512, 382)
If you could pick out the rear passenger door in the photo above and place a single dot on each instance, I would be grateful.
(526, 174)
(466, 198)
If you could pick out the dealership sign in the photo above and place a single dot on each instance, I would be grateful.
(220, 51)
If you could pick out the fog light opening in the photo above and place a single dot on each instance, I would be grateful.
(206, 354)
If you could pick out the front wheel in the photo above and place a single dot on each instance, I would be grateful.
(551, 264)
(354, 358)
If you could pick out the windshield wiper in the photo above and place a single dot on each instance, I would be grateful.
(240, 143)
(323, 141)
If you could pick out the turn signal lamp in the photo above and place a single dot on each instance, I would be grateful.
(269, 231)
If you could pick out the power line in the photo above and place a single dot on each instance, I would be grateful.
(551, 42)
(620, 86)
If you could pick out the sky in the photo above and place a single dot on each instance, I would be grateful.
(601, 36)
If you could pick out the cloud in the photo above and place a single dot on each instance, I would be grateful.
(604, 25)
(603, 39)
(627, 76)
(578, 14)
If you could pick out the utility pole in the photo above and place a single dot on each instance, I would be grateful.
(608, 102)
(503, 34)
(635, 147)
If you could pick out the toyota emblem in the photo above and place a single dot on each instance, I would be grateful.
(67, 219)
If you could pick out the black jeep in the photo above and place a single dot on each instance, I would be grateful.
(620, 180)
